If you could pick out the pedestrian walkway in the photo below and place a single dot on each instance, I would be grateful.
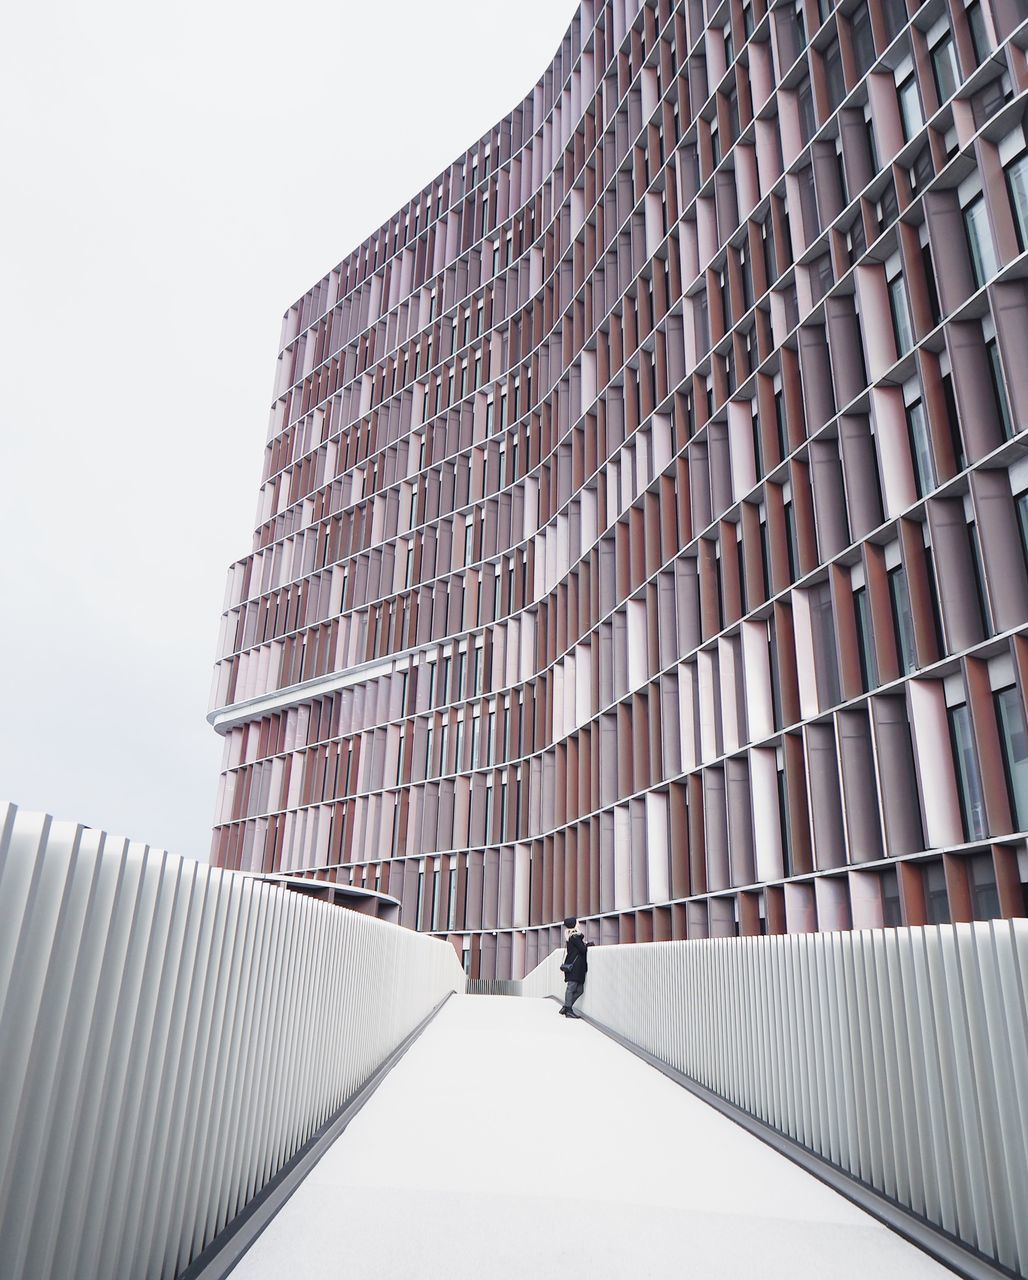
(511, 1143)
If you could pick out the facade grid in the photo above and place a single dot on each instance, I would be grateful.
(644, 520)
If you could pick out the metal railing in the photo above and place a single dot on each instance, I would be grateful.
(899, 1056)
(171, 1035)
(493, 987)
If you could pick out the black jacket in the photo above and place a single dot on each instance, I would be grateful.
(577, 958)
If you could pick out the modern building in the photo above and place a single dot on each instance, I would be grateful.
(644, 517)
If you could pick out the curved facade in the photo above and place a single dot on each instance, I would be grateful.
(645, 506)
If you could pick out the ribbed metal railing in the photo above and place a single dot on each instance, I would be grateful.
(898, 1055)
(493, 987)
(170, 1036)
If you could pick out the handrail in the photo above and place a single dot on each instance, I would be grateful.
(171, 1035)
(897, 1056)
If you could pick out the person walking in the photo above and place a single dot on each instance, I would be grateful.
(575, 967)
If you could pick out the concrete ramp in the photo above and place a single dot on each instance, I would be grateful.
(511, 1143)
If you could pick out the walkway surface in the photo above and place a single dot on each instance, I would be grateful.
(509, 1142)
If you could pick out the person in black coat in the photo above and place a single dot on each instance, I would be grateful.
(575, 966)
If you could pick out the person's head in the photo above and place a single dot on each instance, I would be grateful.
(570, 924)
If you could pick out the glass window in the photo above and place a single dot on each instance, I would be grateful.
(1021, 502)
(902, 619)
(969, 779)
(1014, 741)
(856, 241)
(981, 877)
(826, 664)
(920, 448)
(978, 573)
(792, 544)
(902, 326)
(767, 235)
(783, 820)
(945, 70)
(863, 40)
(807, 118)
(892, 912)
(747, 17)
(895, 14)
(936, 900)
(833, 74)
(1017, 185)
(998, 388)
(888, 206)
(780, 424)
(865, 639)
(922, 171)
(979, 36)
(910, 105)
(979, 239)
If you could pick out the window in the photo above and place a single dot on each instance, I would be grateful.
(922, 171)
(936, 900)
(1021, 503)
(869, 139)
(999, 393)
(746, 276)
(758, 452)
(909, 101)
(436, 902)
(1017, 185)
(765, 556)
(978, 573)
(969, 780)
(1013, 736)
(902, 619)
(863, 40)
(780, 423)
(887, 206)
(792, 544)
(856, 241)
(783, 816)
(920, 448)
(808, 121)
(767, 237)
(981, 879)
(945, 71)
(979, 36)
(833, 74)
(826, 663)
(747, 17)
(902, 327)
(865, 639)
(892, 911)
(979, 239)
(929, 275)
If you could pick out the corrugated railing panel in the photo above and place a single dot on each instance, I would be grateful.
(170, 1036)
(899, 1055)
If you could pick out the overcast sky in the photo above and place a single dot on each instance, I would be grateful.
(175, 176)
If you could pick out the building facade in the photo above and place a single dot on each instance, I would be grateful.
(644, 516)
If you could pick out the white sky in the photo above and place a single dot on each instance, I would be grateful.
(174, 177)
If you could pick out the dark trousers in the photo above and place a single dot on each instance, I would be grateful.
(571, 993)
